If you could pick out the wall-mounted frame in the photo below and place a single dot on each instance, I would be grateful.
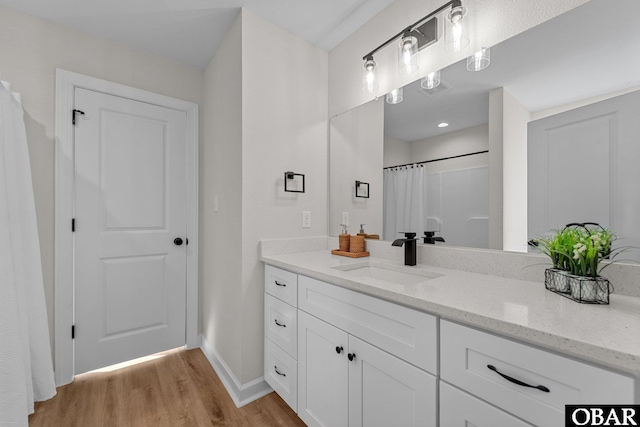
(293, 182)
(362, 189)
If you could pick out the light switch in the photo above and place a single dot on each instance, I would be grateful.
(306, 219)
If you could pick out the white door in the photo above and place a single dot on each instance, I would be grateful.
(583, 167)
(386, 391)
(130, 205)
(323, 399)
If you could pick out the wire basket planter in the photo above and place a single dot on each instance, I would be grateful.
(585, 290)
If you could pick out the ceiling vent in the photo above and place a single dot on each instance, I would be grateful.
(441, 88)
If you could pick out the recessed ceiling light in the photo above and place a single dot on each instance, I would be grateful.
(443, 125)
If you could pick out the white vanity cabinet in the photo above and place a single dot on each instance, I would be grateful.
(530, 383)
(281, 333)
(345, 381)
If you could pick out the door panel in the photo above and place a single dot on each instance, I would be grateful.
(387, 391)
(322, 372)
(130, 278)
(583, 167)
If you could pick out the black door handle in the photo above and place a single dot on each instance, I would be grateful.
(351, 356)
(339, 349)
(177, 241)
(515, 381)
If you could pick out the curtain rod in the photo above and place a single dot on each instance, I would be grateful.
(437, 160)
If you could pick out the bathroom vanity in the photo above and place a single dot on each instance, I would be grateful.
(352, 342)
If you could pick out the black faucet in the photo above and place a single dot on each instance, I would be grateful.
(429, 238)
(409, 243)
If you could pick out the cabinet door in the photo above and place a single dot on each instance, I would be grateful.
(386, 391)
(322, 373)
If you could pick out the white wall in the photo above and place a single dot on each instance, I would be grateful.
(496, 131)
(266, 101)
(396, 152)
(356, 151)
(30, 51)
(284, 129)
(465, 141)
(491, 21)
(514, 174)
(221, 176)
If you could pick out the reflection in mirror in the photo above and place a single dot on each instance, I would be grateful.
(577, 59)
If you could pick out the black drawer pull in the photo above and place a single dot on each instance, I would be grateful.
(279, 324)
(515, 381)
(280, 284)
(278, 372)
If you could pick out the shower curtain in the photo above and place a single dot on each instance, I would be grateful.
(26, 370)
(404, 201)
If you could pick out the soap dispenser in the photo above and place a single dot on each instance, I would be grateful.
(344, 239)
(362, 232)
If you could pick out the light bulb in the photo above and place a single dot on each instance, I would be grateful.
(455, 38)
(395, 96)
(479, 60)
(431, 81)
(407, 51)
(369, 81)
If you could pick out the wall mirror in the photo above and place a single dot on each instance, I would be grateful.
(478, 169)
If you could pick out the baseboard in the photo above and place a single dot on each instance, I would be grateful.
(240, 393)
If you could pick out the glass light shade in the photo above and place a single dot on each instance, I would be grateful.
(369, 81)
(431, 80)
(456, 35)
(407, 54)
(395, 96)
(480, 60)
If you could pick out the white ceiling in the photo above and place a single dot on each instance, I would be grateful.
(189, 31)
(589, 51)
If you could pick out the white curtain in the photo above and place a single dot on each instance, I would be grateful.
(405, 201)
(26, 370)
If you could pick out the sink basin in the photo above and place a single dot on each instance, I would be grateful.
(388, 273)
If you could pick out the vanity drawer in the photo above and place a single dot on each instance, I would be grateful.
(408, 334)
(281, 373)
(281, 324)
(466, 354)
(281, 284)
(459, 409)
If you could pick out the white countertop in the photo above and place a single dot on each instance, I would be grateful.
(605, 334)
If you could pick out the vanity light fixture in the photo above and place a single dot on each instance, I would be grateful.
(431, 80)
(369, 81)
(416, 37)
(291, 182)
(480, 60)
(395, 96)
(407, 53)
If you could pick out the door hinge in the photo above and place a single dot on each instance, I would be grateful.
(73, 118)
(73, 331)
(73, 225)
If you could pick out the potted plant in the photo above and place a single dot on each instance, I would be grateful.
(577, 252)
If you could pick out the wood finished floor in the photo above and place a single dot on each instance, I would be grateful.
(178, 389)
